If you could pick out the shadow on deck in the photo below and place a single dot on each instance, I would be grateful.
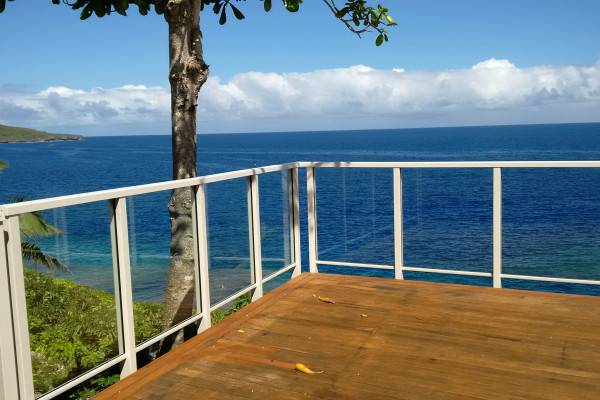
(384, 338)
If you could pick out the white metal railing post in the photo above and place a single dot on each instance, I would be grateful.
(254, 231)
(497, 228)
(201, 233)
(311, 193)
(122, 275)
(14, 259)
(295, 221)
(398, 226)
(287, 218)
(9, 383)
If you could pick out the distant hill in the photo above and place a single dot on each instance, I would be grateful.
(13, 134)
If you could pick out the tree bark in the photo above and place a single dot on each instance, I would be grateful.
(187, 74)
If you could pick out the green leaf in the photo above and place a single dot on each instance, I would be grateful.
(217, 7)
(2, 5)
(100, 9)
(78, 4)
(379, 40)
(31, 252)
(267, 5)
(86, 12)
(121, 6)
(292, 5)
(238, 14)
(341, 13)
(223, 18)
(160, 7)
(143, 8)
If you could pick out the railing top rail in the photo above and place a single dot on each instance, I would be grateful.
(7, 210)
(455, 164)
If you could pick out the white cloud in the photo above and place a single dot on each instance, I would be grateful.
(491, 92)
(62, 106)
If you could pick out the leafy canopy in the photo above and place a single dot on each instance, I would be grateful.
(355, 14)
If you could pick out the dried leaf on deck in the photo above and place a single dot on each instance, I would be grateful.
(305, 369)
(326, 300)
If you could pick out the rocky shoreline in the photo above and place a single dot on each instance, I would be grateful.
(60, 138)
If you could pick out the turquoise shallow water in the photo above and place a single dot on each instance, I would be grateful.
(550, 226)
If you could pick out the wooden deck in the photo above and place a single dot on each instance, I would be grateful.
(386, 339)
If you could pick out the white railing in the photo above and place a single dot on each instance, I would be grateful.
(496, 166)
(16, 381)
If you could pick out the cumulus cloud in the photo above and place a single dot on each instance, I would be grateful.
(361, 90)
(492, 91)
(62, 106)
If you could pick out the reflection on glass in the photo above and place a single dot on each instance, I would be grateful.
(551, 223)
(149, 241)
(228, 238)
(355, 215)
(71, 314)
(274, 221)
(447, 218)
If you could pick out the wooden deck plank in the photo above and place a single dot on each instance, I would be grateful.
(418, 340)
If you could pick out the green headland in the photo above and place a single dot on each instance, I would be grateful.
(13, 134)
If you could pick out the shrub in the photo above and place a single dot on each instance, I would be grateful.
(73, 328)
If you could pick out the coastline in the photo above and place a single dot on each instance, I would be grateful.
(15, 134)
(61, 138)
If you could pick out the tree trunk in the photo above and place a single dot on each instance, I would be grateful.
(187, 73)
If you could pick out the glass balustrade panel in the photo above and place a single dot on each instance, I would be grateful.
(551, 226)
(69, 287)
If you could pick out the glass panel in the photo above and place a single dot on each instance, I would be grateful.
(274, 221)
(228, 238)
(551, 223)
(448, 219)
(72, 314)
(355, 215)
(149, 243)
(277, 281)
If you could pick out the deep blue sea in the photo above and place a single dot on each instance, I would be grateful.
(551, 220)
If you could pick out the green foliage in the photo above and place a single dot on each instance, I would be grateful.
(3, 164)
(3, 5)
(356, 14)
(241, 302)
(73, 328)
(104, 380)
(10, 134)
(33, 225)
(364, 18)
(31, 252)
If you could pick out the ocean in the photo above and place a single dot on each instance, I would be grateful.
(551, 220)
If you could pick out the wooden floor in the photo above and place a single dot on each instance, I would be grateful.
(385, 339)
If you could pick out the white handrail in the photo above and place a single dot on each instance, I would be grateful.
(17, 382)
(452, 164)
(7, 210)
(75, 199)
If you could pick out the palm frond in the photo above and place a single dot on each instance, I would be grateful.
(33, 253)
(33, 224)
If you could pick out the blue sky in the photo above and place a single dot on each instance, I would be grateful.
(537, 62)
